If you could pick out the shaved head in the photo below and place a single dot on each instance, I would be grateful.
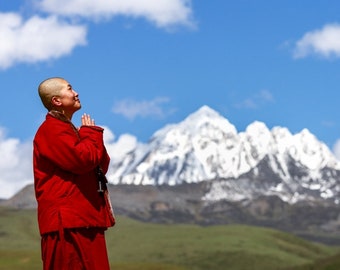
(49, 88)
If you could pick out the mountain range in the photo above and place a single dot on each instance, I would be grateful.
(206, 146)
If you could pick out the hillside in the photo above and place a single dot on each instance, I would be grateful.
(136, 245)
(182, 204)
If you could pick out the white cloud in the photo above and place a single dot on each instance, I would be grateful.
(324, 42)
(117, 149)
(328, 124)
(130, 108)
(256, 100)
(247, 103)
(163, 13)
(336, 149)
(36, 39)
(265, 96)
(15, 166)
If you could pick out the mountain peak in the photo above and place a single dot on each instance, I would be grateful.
(256, 128)
(204, 112)
(205, 117)
(207, 111)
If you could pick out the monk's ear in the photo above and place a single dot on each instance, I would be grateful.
(56, 101)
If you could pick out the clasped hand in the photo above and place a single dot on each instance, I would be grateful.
(86, 120)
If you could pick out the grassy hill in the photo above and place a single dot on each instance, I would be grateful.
(134, 245)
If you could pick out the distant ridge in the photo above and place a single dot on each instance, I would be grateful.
(24, 199)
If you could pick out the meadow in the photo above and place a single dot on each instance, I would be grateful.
(136, 245)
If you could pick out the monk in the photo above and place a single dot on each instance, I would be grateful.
(69, 164)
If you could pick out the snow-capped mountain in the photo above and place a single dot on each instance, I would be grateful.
(240, 165)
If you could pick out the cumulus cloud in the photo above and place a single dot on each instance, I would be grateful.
(36, 39)
(324, 42)
(117, 149)
(163, 13)
(336, 149)
(131, 109)
(15, 166)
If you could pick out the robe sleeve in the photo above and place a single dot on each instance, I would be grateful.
(72, 152)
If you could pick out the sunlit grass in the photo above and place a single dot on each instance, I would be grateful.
(136, 245)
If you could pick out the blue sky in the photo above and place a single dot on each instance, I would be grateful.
(141, 64)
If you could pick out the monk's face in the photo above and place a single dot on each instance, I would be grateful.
(67, 98)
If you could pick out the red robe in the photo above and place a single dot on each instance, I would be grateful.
(66, 184)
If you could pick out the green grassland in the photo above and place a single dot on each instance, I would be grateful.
(134, 245)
